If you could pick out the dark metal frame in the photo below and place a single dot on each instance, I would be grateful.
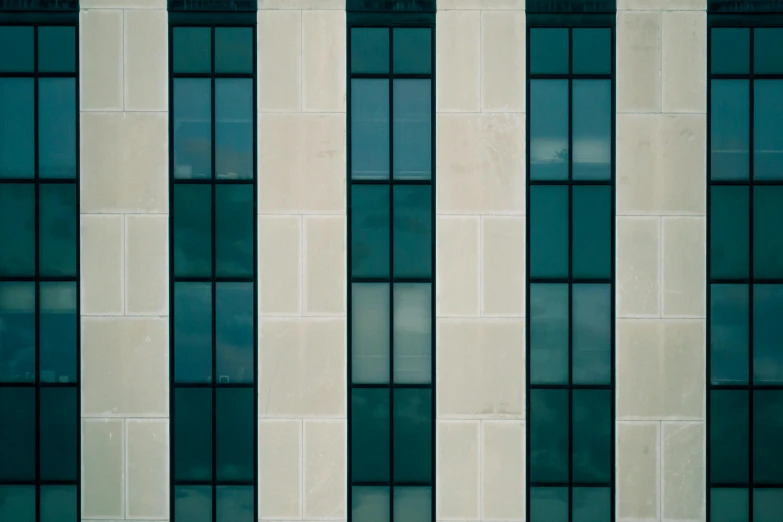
(68, 18)
(740, 21)
(391, 21)
(212, 20)
(570, 22)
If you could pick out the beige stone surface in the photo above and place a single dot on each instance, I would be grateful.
(325, 468)
(147, 264)
(481, 368)
(503, 266)
(684, 61)
(279, 60)
(279, 469)
(103, 443)
(279, 264)
(324, 265)
(503, 470)
(638, 266)
(683, 471)
(302, 368)
(481, 164)
(662, 5)
(684, 266)
(480, 4)
(123, 4)
(458, 259)
(503, 45)
(301, 4)
(458, 472)
(638, 469)
(146, 60)
(125, 367)
(148, 468)
(638, 64)
(323, 61)
(100, 60)
(458, 61)
(660, 369)
(102, 264)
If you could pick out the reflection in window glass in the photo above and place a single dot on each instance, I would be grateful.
(591, 323)
(17, 229)
(17, 331)
(192, 128)
(234, 331)
(548, 333)
(58, 216)
(729, 129)
(591, 434)
(58, 320)
(730, 50)
(767, 504)
(369, 50)
(767, 434)
(192, 332)
(767, 334)
(592, 505)
(370, 438)
(549, 236)
(548, 51)
(370, 504)
(592, 50)
(370, 231)
(20, 39)
(58, 429)
(767, 132)
(192, 50)
(234, 50)
(17, 125)
(234, 128)
(193, 503)
(767, 239)
(729, 334)
(234, 230)
(412, 231)
(549, 129)
(58, 503)
(766, 50)
(57, 49)
(412, 434)
(192, 230)
(17, 445)
(729, 439)
(235, 504)
(412, 504)
(370, 333)
(729, 505)
(548, 504)
(369, 129)
(235, 434)
(729, 228)
(591, 209)
(592, 129)
(412, 129)
(17, 503)
(549, 435)
(412, 333)
(412, 50)
(192, 434)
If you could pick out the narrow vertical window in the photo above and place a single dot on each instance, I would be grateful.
(570, 333)
(745, 263)
(391, 170)
(213, 267)
(39, 269)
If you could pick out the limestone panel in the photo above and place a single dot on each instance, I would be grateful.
(103, 444)
(480, 4)
(638, 266)
(503, 266)
(301, 4)
(146, 60)
(503, 45)
(323, 61)
(457, 258)
(147, 264)
(148, 469)
(325, 262)
(503, 470)
(457, 59)
(684, 266)
(101, 59)
(280, 469)
(638, 468)
(684, 61)
(663, 5)
(279, 60)
(325, 469)
(279, 259)
(458, 472)
(683, 471)
(123, 4)
(638, 67)
(102, 265)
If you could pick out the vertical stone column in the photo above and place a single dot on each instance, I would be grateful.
(661, 259)
(124, 259)
(480, 55)
(302, 259)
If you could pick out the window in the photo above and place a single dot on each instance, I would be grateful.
(213, 268)
(391, 236)
(39, 269)
(745, 262)
(570, 333)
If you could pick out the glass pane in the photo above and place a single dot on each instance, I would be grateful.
(548, 435)
(234, 128)
(592, 333)
(767, 334)
(234, 230)
(548, 504)
(730, 129)
(729, 334)
(548, 334)
(58, 332)
(729, 229)
(192, 434)
(412, 435)
(235, 434)
(17, 229)
(192, 332)
(369, 50)
(192, 128)
(57, 127)
(767, 133)
(370, 333)
(234, 330)
(412, 231)
(592, 129)
(548, 51)
(767, 434)
(412, 333)
(235, 504)
(412, 51)
(369, 129)
(17, 332)
(17, 503)
(58, 228)
(192, 230)
(17, 438)
(548, 231)
(234, 53)
(592, 436)
(548, 129)
(370, 504)
(192, 52)
(193, 503)
(767, 239)
(592, 50)
(58, 503)
(370, 441)
(767, 42)
(767, 504)
(58, 434)
(592, 230)
(729, 441)
(20, 39)
(591, 505)
(370, 231)
(17, 124)
(729, 505)
(730, 50)
(413, 504)
(57, 49)
(412, 129)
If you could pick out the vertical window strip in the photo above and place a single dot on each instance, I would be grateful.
(213, 231)
(570, 270)
(40, 449)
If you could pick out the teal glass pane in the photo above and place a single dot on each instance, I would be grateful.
(56, 49)
(234, 230)
(193, 503)
(412, 333)
(17, 438)
(767, 334)
(730, 50)
(57, 227)
(192, 218)
(767, 42)
(234, 332)
(548, 504)
(192, 434)
(729, 505)
(58, 503)
(370, 248)
(592, 129)
(591, 320)
(192, 50)
(17, 127)
(592, 436)
(369, 50)
(767, 239)
(235, 412)
(192, 332)
(235, 503)
(234, 50)
(548, 435)
(592, 505)
(767, 434)
(20, 39)
(412, 504)
(58, 320)
(58, 434)
(548, 51)
(730, 129)
(729, 230)
(767, 504)
(548, 231)
(729, 439)
(192, 128)
(412, 231)
(548, 333)
(234, 144)
(549, 129)
(592, 50)
(17, 229)
(729, 334)
(370, 129)
(57, 128)
(17, 319)
(412, 50)
(767, 133)
(370, 504)
(592, 231)
(370, 437)
(412, 129)
(412, 435)
(370, 333)
(17, 504)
